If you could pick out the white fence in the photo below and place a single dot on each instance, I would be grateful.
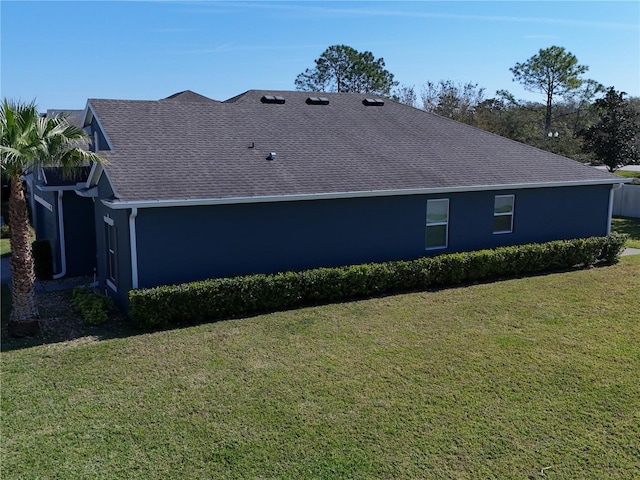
(626, 201)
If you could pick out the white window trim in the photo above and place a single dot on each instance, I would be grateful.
(43, 202)
(437, 224)
(109, 221)
(504, 214)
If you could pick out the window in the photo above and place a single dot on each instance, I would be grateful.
(437, 228)
(503, 214)
(111, 247)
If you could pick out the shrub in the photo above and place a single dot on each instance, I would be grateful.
(42, 259)
(5, 231)
(226, 297)
(94, 307)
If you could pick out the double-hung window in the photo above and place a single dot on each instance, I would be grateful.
(503, 213)
(111, 250)
(437, 227)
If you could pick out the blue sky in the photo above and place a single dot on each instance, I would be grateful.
(61, 53)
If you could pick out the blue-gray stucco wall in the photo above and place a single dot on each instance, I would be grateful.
(121, 221)
(45, 223)
(180, 244)
(80, 235)
(79, 231)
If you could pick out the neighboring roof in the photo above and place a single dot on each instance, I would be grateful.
(169, 150)
(74, 117)
(189, 96)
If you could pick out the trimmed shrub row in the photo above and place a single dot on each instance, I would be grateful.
(227, 297)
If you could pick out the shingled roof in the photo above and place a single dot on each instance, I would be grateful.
(325, 144)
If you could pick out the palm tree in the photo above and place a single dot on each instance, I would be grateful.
(29, 141)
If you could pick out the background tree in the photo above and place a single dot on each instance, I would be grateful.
(28, 141)
(553, 71)
(406, 95)
(453, 100)
(341, 68)
(613, 140)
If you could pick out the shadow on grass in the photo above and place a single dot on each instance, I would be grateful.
(628, 225)
(59, 322)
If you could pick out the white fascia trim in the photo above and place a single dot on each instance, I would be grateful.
(89, 115)
(94, 175)
(43, 202)
(115, 204)
(60, 188)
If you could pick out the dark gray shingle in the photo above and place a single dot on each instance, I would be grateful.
(171, 150)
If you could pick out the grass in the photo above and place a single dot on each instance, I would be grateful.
(628, 174)
(527, 378)
(5, 247)
(630, 226)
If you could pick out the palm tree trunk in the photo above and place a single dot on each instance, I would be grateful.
(23, 292)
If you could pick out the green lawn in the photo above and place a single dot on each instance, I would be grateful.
(630, 226)
(5, 248)
(628, 174)
(526, 378)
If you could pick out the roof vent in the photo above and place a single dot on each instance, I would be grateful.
(272, 99)
(373, 102)
(317, 101)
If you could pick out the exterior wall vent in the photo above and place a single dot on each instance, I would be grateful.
(272, 99)
(317, 101)
(373, 102)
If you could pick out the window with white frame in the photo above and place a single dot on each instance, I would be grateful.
(111, 250)
(503, 213)
(437, 227)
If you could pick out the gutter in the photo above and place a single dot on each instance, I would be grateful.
(63, 250)
(115, 204)
(615, 187)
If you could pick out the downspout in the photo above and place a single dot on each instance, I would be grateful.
(611, 194)
(134, 247)
(63, 249)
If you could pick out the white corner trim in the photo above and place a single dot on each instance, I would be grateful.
(134, 247)
(43, 202)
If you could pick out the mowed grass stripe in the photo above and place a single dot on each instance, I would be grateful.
(501, 380)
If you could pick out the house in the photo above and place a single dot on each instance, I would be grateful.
(276, 180)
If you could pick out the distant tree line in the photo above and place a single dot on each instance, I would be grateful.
(579, 118)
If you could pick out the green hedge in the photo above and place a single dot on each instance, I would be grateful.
(93, 307)
(227, 297)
